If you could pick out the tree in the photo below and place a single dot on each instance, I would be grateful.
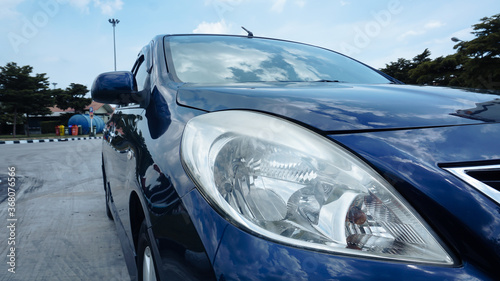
(487, 41)
(22, 94)
(401, 69)
(72, 97)
(440, 71)
(476, 64)
(482, 66)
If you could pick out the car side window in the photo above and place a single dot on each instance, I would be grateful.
(141, 73)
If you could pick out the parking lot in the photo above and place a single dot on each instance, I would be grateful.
(53, 224)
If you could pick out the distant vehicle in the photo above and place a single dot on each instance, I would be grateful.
(247, 158)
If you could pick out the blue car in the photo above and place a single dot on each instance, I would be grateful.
(248, 158)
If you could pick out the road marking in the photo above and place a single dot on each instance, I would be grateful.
(47, 140)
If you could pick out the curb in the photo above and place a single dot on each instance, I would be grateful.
(48, 140)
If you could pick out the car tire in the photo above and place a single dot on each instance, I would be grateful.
(108, 201)
(106, 191)
(145, 259)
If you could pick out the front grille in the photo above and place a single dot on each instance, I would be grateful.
(486, 179)
(489, 177)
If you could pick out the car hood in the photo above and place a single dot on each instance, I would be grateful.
(332, 107)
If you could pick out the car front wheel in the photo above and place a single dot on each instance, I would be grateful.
(145, 262)
(106, 191)
(108, 201)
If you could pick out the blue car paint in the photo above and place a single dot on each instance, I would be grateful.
(468, 219)
(342, 107)
(404, 132)
(241, 255)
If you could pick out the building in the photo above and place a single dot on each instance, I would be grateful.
(60, 117)
(100, 109)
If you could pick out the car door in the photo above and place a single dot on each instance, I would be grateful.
(126, 143)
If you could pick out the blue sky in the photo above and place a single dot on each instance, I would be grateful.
(72, 40)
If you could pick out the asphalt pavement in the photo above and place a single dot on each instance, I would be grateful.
(53, 223)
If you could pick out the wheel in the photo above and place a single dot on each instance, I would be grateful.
(106, 191)
(108, 201)
(145, 258)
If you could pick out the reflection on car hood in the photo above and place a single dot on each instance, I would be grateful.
(333, 107)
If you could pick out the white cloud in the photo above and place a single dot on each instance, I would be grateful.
(223, 2)
(464, 34)
(8, 8)
(109, 7)
(278, 6)
(82, 5)
(300, 3)
(433, 24)
(410, 33)
(212, 27)
(344, 3)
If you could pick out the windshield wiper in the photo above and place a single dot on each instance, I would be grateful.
(326, 80)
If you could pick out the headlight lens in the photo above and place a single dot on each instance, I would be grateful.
(274, 178)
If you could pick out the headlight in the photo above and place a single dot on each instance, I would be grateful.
(283, 182)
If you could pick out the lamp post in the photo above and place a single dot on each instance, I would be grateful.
(455, 39)
(114, 22)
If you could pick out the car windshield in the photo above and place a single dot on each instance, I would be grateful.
(229, 59)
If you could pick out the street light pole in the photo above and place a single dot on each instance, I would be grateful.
(114, 22)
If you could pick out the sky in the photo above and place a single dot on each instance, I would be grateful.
(72, 40)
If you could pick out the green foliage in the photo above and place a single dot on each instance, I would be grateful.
(8, 117)
(72, 97)
(423, 57)
(440, 71)
(476, 64)
(482, 65)
(487, 41)
(48, 127)
(401, 69)
(22, 94)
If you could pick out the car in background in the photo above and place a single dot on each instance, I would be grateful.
(248, 158)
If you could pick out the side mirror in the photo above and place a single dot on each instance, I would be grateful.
(117, 87)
